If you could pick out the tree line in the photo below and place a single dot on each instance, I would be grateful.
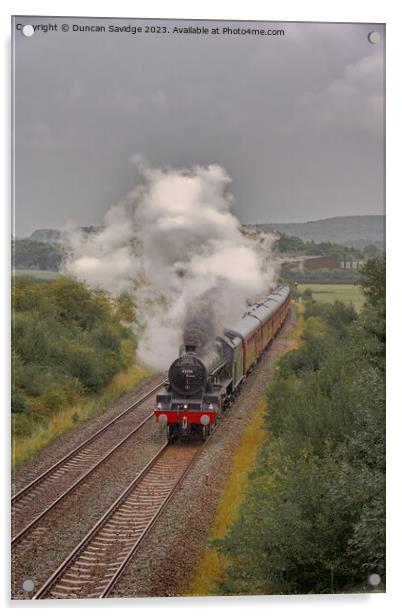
(44, 255)
(292, 245)
(29, 254)
(290, 275)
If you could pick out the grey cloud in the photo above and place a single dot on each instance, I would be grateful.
(296, 121)
(355, 101)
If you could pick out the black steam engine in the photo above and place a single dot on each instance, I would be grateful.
(204, 379)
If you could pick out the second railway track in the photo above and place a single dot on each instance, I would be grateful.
(95, 565)
(33, 502)
(97, 562)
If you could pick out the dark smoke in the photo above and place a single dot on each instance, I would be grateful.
(200, 327)
(199, 332)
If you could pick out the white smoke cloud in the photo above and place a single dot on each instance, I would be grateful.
(172, 242)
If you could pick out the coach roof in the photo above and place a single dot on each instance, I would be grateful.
(259, 313)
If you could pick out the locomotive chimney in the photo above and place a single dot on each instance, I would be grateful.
(187, 348)
(199, 329)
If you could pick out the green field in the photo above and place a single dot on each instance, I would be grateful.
(330, 292)
(41, 274)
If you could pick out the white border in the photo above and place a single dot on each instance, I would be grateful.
(291, 10)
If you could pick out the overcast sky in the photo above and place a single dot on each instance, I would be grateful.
(296, 120)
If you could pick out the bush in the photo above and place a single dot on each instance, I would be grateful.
(307, 294)
(18, 403)
(316, 309)
(125, 307)
(340, 315)
(22, 424)
(337, 315)
(92, 368)
(314, 327)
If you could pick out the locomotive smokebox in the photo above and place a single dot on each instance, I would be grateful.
(188, 375)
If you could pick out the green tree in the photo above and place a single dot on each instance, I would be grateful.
(373, 281)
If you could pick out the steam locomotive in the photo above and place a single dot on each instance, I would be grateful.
(203, 382)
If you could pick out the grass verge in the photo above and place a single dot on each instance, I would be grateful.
(212, 564)
(24, 447)
(299, 325)
(40, 274)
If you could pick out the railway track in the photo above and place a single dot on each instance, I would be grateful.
(36, 499)
(97, 562)
(95, 565)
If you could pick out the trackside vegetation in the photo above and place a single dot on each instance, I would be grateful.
(313, 517)
(72, 354)
(213, 563)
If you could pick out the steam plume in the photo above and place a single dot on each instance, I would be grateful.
(174, 244)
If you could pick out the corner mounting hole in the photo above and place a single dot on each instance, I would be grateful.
(374, 37)
(28, 585)
(374, 579)
(28, 30)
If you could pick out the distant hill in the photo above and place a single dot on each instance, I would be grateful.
(356, 231)
(45, 235)
(55, 235)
